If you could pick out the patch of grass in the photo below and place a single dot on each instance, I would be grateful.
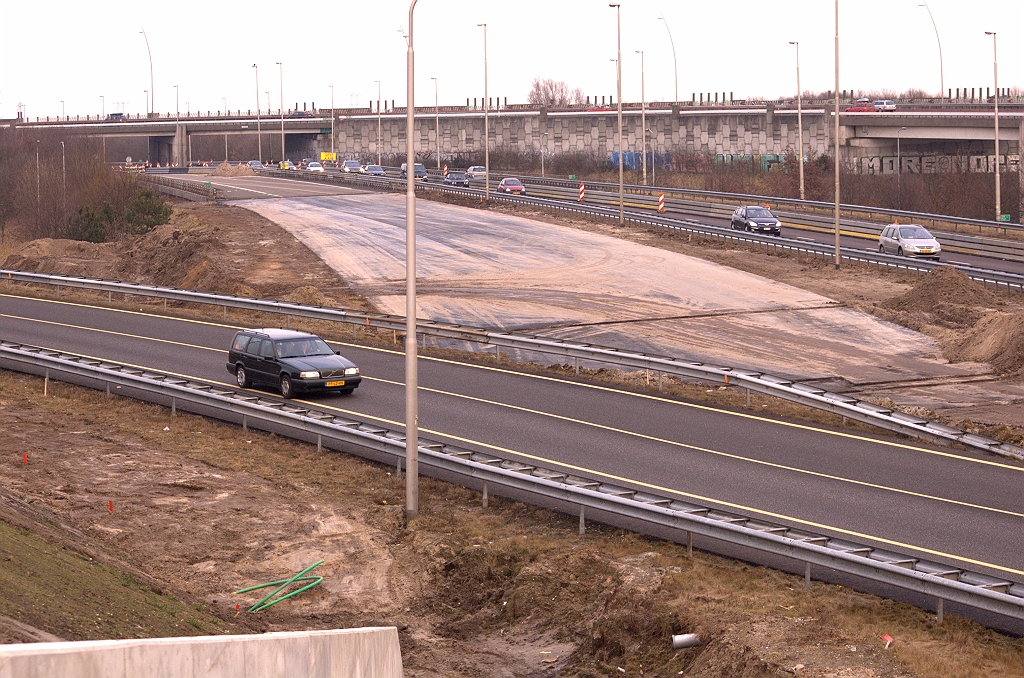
(76, 598)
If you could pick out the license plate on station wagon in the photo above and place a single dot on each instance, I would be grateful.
(332, 384)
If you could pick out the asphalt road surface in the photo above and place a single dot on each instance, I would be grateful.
(959, 508)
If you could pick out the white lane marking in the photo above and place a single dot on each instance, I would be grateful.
(242, 188)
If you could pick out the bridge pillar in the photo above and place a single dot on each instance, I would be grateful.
(179, 147)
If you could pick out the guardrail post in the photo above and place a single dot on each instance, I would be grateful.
(807, 575)
(174, 408)
(398, 472)
(354, 330)
(483, 500)
(245, 424)
(659, 382)
(497, 354)
(225, 312)
(938, 610)
(287, 321)
(108, 389)
(319, 443)
(748, 398)
(689, 544)
(583, 521)
(46, 382)
(58, 291)
(108, 297)
(577, 366)
(165, 306)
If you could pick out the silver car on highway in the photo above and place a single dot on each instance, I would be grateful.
(908, 240)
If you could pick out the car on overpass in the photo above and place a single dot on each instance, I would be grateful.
(863, 105)
(756, 219)
(884, 105)
(909, 240)
(291, 361)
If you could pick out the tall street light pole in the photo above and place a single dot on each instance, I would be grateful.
(259, 128)
(332, 124)
(64, 176)
(152, 100)
(675, 62)
(799, 119)
(177, 110)
(437, 125)
(838, 257)
(942, 76)
(995, 77)
(38, 192)
(378, 122)
(62, 109)
(643, 115)
(103, 106)
(618, 95)
(280, 73)
(899, 167)
(487, 133)
(146, 92)
(412, 435)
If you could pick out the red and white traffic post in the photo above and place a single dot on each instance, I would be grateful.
(582, 192)
(661, 202)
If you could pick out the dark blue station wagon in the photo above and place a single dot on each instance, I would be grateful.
(289, 361)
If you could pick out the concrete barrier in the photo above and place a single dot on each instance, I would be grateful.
(344, 653)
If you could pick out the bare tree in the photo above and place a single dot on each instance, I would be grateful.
(554, 93)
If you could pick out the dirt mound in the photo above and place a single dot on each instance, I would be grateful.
(997, 339)
(309, 295)
(228, 170)
(64, 257)
(174, 257)
(944, 286)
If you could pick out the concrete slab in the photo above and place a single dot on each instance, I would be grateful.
(494, 270)
(343, 653)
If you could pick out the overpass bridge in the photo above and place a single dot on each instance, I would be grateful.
(931, 138)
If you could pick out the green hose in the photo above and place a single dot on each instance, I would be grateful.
(282, 584)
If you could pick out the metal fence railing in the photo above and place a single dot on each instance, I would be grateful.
(759, 382)
(616, 504)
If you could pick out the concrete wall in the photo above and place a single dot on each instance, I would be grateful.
(346, 653)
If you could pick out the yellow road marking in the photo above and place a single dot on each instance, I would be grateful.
(602, 474)
(119, 334)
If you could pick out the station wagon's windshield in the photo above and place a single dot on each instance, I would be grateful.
(297, 348)
(914, 233)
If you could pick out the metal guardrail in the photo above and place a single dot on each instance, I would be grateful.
(939, 580)
(759, 382)
(182, 185)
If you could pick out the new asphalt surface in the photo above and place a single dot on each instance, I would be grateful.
(955, 507)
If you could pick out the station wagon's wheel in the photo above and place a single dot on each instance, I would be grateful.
(286, 387)
(881, 249)
(241, 377)
(899, 251)
(346, 391)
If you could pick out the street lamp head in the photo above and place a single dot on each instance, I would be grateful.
(794, 42)
(478, 25)
(990, 32)
(613, 4)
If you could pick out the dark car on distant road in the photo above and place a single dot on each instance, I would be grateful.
(456, 179)
(375, 171)
(756, 220)
(511, 185)
(291, 362)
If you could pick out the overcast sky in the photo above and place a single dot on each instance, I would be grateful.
(78, 51)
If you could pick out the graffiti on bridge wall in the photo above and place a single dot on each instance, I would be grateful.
(937, 164)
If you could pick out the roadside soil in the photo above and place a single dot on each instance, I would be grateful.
(201, 508)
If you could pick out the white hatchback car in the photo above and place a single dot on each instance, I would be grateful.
(908, 240)
(315, 167)
(476, 172)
